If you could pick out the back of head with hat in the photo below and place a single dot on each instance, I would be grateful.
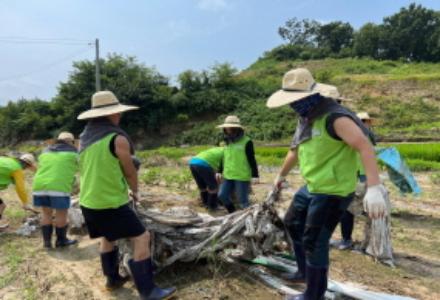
(66, 136)
(105, 103)
(28, 159)
(231, 122)
(299, 84)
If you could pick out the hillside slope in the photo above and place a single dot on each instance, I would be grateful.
(404, 97)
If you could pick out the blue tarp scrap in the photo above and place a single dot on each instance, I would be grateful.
(398, 171)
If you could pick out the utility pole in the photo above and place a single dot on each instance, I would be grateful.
(97, 74)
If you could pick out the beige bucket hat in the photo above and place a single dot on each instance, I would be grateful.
(231, 122)
(104, 103)
(299, 84)
(28, 159)
(364, 116)
(66, 136)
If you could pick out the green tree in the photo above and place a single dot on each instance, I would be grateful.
(367, 40)
(132, 82)
(300, 32)
(410, 34)
(335, 36)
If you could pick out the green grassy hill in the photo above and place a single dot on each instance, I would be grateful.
(404, 97)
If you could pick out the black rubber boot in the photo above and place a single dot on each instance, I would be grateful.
(204, 198)
(62, 240)
(316, 282)
(142, 272)
(110, 268)
(47, 230)
(212, 201)
(230, 207)
(300, 275)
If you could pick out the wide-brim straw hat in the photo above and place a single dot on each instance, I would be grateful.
(105, 103)
(299, 84)
(231, 122)
(66, 136)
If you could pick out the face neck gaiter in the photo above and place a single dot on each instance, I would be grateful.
(304, 106)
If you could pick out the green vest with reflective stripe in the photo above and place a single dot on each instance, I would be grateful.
(103, 183)
(8, 166)
(56, 171)
(213, 157)
(329, 166)
(235, 163)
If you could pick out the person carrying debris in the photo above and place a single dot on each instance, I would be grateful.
(52, 187)
(203, 168)
(355, 208)
(326, 143)
(107, 171)
(239, 164)
(11, 172)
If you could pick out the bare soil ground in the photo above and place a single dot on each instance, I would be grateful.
(29, 272)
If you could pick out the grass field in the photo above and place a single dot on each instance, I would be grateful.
(419, 157)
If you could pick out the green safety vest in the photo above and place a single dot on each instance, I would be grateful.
(8, 166)
(235, 163)
(56, 171)
(213, 157)
(329, 166)
(103, 184)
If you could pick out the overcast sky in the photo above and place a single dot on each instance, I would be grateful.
(172, 35)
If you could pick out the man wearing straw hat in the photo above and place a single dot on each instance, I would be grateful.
(11, 172)
(326, 142)
(52, 186)
(107, 171)
(239, 164)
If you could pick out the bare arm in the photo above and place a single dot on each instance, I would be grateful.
(122, 150)
(352, 135)
(289, 162)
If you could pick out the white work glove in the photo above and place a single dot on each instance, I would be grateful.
(374, 201)
(279, 182)
(135, 196)
(255, 180)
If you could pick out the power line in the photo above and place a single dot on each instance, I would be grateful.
(48, 66)
(43, 41)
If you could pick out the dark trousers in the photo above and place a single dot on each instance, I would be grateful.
(310, 222)
(347, 224)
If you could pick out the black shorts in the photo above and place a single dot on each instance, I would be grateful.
(113, 223)
(204, 177)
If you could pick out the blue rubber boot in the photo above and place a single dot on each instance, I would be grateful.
(142, 272)
(62, 240)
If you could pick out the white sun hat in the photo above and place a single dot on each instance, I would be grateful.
(66, 136)
(105, 103)
(231, 122)
(299, 84)
(363, 116)
(29, 159)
